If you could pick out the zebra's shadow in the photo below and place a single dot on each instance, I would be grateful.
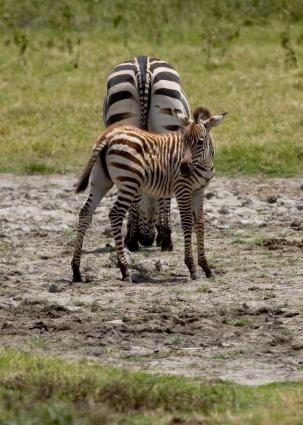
(146, 278)
(104, 250)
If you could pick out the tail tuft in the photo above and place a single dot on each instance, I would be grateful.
(84, 179)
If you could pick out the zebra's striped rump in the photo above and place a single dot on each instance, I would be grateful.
(141, 162)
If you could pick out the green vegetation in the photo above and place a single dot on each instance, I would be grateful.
(40, 390)
(240, 56)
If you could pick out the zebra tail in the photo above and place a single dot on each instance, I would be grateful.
(84, 179)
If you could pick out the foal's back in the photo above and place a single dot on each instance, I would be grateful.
(146, 160)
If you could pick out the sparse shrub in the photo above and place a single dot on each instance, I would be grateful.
(290, 55)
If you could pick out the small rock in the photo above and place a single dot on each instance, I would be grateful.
(53, 288)
(39, 325)
(299, 207)
(253, 288)
(246, 202)
(280, 339)
(291, 313)
(297, 345)
(158, 266)
(297, 225)
(6, 324)
(272, 199)
(108, 232)
(223, 210)
(209, 195)
(262, 310)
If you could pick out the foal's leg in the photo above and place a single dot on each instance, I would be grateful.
(116, 216)
(132, 236)
(166, 243)
(100, 185)
(198, 213)
(159, 222)
(184, 200)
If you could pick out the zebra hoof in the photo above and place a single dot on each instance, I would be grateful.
(127, 279)
(76, 274)
(159, 238)
(167, 243)
(194, 276)
(146, 240)
(167, 246)
(210, 274)
(77, 277)
(131, 242)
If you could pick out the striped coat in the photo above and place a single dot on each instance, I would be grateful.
(136, 161)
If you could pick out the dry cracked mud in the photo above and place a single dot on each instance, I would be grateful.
(245, 325)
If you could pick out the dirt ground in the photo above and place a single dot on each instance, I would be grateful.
(245, 325)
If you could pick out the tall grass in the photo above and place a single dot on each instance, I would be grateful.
(240, 56)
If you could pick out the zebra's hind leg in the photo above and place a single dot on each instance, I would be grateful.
(116, 216)
(132, 236)
(100, 185)
(147, 219)
(198, 214)
(164, 225)
(159, 224)
(166, 243)
(184, 200)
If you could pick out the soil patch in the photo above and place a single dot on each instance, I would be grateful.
(245, 325)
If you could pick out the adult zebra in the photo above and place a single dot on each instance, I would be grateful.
(134, 90)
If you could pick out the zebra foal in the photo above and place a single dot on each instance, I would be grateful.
(176, 163)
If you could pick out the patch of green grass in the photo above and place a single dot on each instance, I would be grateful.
(152, 356)
(229, 355)
(242, 322)
(43, 390)
(268, 158)
(239, 241)
(54, 64)
(38, 342)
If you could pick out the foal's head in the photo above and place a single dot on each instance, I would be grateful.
(196, 137)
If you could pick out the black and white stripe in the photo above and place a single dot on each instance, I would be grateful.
(135, 90)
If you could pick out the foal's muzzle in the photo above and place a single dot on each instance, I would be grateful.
(186, 169)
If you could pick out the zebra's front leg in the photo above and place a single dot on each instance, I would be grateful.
(116, 216)
(132, 236)
(198, 214)
(184, 201)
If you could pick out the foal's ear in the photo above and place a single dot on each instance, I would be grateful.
(177, 113)
(214, 121)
